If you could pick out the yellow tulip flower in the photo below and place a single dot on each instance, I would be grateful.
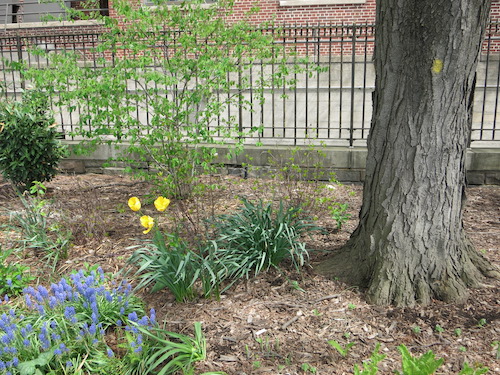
(147, 222)
(134, 203)
(162, 203)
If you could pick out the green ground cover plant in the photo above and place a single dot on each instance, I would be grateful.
(14, 277)
(65, 329)
(47, 238)
(370, 366)
(342, 350)
(426, 364)
(168, 262)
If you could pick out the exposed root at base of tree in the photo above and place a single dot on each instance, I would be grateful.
(387, 283)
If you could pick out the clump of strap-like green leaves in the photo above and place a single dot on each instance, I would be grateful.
(182, 67)
(258, 237)
(255, 238)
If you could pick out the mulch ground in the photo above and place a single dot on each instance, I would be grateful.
(280, 321)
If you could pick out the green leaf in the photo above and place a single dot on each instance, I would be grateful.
(426, 364)
(31, 367)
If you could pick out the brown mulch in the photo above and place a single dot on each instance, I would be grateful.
(281, 320)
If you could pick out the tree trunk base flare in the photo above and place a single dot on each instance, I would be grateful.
(387, 282)
(410, 246)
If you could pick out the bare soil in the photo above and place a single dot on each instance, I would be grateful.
(280, 321)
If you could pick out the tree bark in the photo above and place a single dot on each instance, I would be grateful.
(410, 246)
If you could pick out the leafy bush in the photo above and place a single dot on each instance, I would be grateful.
(29, 150)
(259, 237)
(202, 71)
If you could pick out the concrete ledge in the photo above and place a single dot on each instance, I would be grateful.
(483, 164)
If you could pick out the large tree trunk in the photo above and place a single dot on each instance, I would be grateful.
(410, 246)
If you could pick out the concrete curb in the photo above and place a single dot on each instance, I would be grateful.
(483, 164)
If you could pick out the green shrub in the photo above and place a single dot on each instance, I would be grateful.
(202, 71)
(29, 150)
(259, 237)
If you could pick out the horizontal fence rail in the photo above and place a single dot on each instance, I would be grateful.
(332, 105)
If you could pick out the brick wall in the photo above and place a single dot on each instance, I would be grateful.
(271, 9)
(310, 14)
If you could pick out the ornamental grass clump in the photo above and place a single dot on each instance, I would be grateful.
(46, 237)
(79, 326)
(258, 237)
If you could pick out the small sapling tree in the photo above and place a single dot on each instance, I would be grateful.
(164, 80)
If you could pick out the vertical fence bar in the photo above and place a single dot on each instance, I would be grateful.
(365, 63)
(283, 93)
(13, 45)
(3, 89)
(485, 86)
(329, 115)
(261, 133)
(341, 79)
(353, 76)
(250, 79)
(20, 59)
(306, 123)
(495, 111)
(295, 91)
(240, 100)
(318, 61)
(70, 111)
(273, 103)
(61, 115)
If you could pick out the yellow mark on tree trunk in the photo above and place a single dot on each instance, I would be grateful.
(437, 66)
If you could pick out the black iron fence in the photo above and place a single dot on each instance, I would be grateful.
(332, 106)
